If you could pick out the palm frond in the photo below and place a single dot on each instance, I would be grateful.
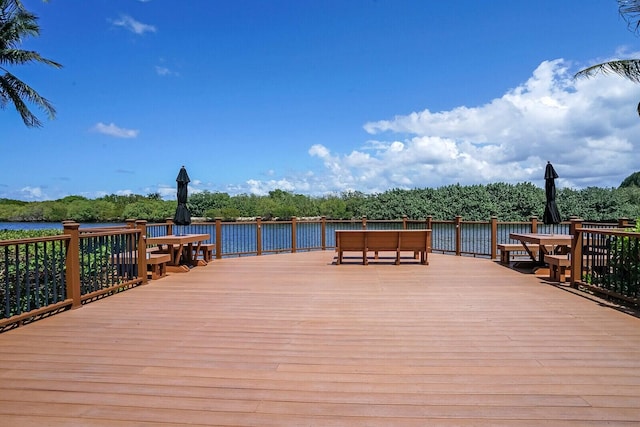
(630, 11)
(627, 68)
(16, 24)
(20, 57)
(16, 91)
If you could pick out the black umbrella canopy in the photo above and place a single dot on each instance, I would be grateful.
(182, 216)
(551, 213)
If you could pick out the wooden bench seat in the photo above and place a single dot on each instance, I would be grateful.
(157, 264)
(205, 251)
(364, 241)
(506, 249)
(558, 265)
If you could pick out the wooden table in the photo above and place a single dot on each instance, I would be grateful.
(182, 248)
(548, 243)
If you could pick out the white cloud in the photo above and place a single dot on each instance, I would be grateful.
(134, 26)
(32, 193)
(262, 188)
(164, 71)
(587, 128)
(167, 192)
(112, 130)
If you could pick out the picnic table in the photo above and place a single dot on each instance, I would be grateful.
(547, 244)
(182, 248)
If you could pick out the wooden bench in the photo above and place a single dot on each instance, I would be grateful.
(364, 241)
(558, 265)
(205, 251)
(506, 249)
(157, 264)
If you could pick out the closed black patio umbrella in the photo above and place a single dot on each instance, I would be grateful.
(182, 216)
(551, 213)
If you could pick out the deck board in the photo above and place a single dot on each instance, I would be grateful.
(294, 339)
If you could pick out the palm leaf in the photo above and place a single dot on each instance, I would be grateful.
(630, 11)
(14, 90)
(16, 24)
(627, 68)
(20, 57)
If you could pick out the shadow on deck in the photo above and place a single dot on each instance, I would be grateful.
(293, 339)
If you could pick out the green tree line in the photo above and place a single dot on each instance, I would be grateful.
(508, 202)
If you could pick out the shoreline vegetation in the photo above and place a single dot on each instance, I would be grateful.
(508, 202)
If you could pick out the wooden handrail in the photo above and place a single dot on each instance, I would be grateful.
(460, 231)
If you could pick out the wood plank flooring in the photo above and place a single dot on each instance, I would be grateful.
(295, 340)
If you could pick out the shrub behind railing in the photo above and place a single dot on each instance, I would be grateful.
(608, 262)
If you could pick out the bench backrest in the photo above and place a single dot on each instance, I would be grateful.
(382, 240)
(414, 240)
(351, 240)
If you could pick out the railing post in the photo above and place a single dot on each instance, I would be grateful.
(169, 226)
(141, 225)
(404, 222)
(534, 224)
(458, 235)
(323, 232)
(218, 238)
(130, 223)
(73, 262)
(494, 237)
(429, 225)
(576, 253)
(294, 226)
(259, 236)
(574, 225)
(364, 222)
(623, 223)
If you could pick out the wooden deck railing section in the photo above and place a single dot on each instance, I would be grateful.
(42, 276)
(607, 261)
(258, 237)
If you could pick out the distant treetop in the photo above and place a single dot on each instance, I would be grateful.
(632, 180)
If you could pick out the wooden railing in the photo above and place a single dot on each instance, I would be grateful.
(258, 237)
(42, 276)
(607, 261)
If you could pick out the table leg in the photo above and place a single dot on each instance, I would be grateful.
(176, 252)
(530, 252)
(195, 261)
(175, 265)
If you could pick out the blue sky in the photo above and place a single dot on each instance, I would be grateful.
(321, 97)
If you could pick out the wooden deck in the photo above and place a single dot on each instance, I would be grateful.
(294, 340)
